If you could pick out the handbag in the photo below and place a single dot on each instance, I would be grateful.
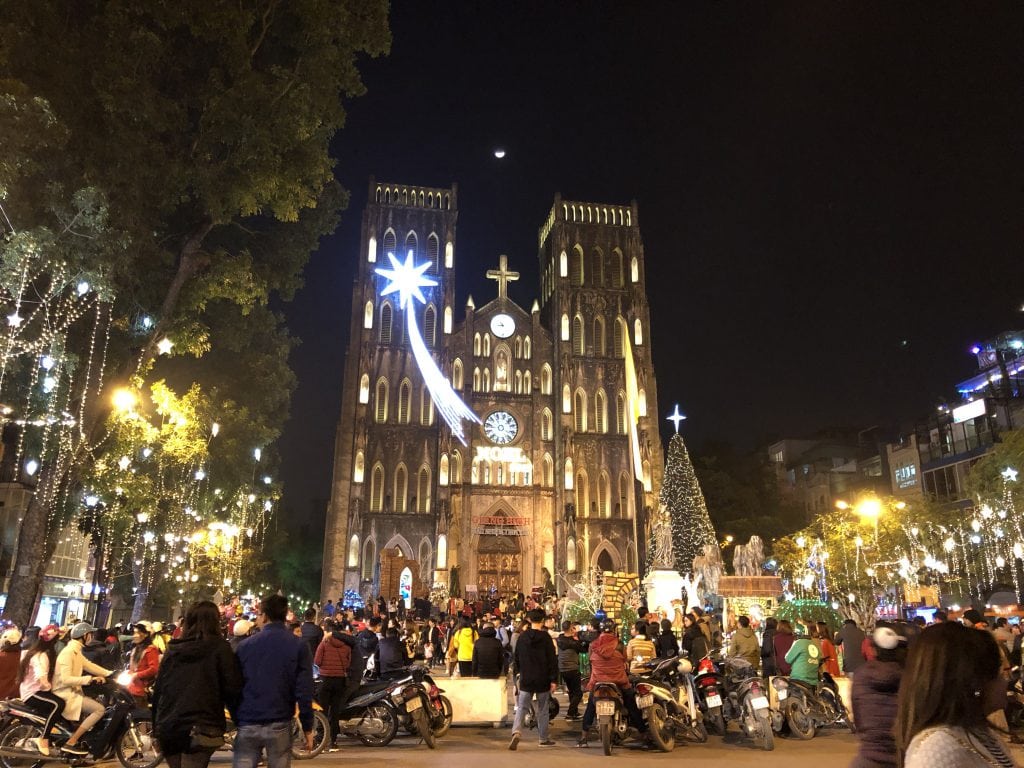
(205, 737)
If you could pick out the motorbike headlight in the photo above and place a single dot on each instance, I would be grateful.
(125, 678)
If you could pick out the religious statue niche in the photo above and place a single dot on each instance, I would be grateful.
(501, 369)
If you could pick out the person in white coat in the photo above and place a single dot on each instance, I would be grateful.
(68, 681)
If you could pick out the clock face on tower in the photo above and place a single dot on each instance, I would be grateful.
(501, 427)
(503, 326)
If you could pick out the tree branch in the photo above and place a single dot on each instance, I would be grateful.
(265, 27)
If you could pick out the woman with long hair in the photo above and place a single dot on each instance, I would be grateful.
(198, 677)
(667, 644)
(36, 681)
(828, 650)
(953, 680)
(143, 663)
(783, 640)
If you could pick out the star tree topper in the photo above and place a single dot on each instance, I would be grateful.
(676, 417)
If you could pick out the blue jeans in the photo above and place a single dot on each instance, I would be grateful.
(251, 740)
(540, 711)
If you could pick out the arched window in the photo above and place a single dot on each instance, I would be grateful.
(357, 467)
(565, 327)
(638, 332)
(442, 552)
(519, 382)
(647, 476)
(369, 559)
(582, 493)
(634, 269)
(381, 401)
(527, 348)
(368, 315)
(364, 388)
(598, 268)
(600, 413)
(600, 347)
(385, 323)
(563, 264)
(641, 405)
(579, 345)
(389, 242)
(549, 471)
(581, 410)
(570, 555)
(353, 552)
(620, 414)
(486, 380)
(449, 254)
(432, 253)
(619, 341)
(485, 467)
(404, 402)
(618, 276)
(527, 384)
(545, 379)
(624, 494)
(442, 471)
(377, 488)
(476, 344)
(566, 399)
(546, 422)
(577, 273)
(487, 345)
(457, 374)
(604, 492)
(474, 470)
(568, 475)
(476, 379)
(519, 347)
(455, 475)
(447, 320)
(425, 560)
(429, 325)
(371, 250)
(426, 407)
(410, 243)
(423, 490)
(401, 492)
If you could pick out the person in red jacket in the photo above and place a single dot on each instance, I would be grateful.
(784, 639)
(334, 656)
(143, 664)
(608, 665)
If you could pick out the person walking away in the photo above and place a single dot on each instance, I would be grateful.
(488, 655)
(769, 667)
(68, 682)
(142, 664)
(744, 643)
(783, 641)
(536, 665)
(803, 657)
(850, 639)
(608, 665)
(667, 645)
(639, 649)
(277, 674)
(952, 681)
(463, 642)
(828, 651)
(198, 677)
(35, 677)
(10, 662)
(874, 700)
(393, 656)
(569, 649)
(333, 656)
(329, 610)
(310, 631)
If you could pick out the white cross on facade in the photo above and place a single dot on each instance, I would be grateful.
(502, 275)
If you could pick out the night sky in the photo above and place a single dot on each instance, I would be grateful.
(829, 194)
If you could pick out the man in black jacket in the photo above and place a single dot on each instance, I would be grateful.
(537, 666)
(488, 655)
(569, 649)
(391, 650)
(367, 645)
(311, 633)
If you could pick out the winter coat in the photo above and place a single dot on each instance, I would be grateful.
(640, 650)
(569, 650)
(312, 634)
(196, 680)
(875, 687)
(828, 652)
(68, 678)
(333, 656)
(667, 645)
(744, 644)
(488, 655)
(783, 642)
(392, 655)
(365, 644)
(277, 668)
(10, 659)
(768, 665)
(107, 656)
(695, 643)
(608, 662)
(851, 638)
(463, 641)
(143, 666)
(803, 657)
(535, 661)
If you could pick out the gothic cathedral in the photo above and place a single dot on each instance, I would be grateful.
(555, 475)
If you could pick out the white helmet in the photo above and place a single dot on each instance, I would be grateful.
(10, 636)
(242, 628)
(684, 667)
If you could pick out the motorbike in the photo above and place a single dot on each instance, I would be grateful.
(746, 702)
(612, 718)
(666, 696)
(710, 689)
(530, 716)
(1015, 702)
(125, 731)
(806, 708)
(321, 734)
(421, 707)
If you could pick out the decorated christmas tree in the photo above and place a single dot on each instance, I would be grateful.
(684, 500)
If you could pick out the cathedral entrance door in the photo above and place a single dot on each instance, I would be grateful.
(499, 565)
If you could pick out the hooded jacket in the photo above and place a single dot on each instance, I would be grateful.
(744, 644)
(695, 643)
(333, 656)
(569, 650)
(608, 662)
(196, 680)
(277, 668)
(535, 661)
(144, 664)
(875, 688)
(488, 655)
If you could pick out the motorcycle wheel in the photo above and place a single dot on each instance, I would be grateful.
(529, 718)
(661, 734)
(136, 747)
(387, 716)
(800, 721)
(423, 726)
(606, 737)
(444, 717)
(699, 731)
(765, 736)
(321, 735)
(16, 737)
(717, 720)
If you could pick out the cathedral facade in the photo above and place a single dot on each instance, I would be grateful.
(556, 475)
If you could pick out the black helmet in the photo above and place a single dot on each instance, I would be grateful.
(607, 625)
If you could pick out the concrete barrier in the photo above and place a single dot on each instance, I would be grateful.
(477, 700)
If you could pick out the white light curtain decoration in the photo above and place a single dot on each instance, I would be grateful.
(407, 279)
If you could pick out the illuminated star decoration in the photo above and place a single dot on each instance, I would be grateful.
(1010, 475)
(14, 319)
(407, 279)
(675, 418)
(164, 346)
